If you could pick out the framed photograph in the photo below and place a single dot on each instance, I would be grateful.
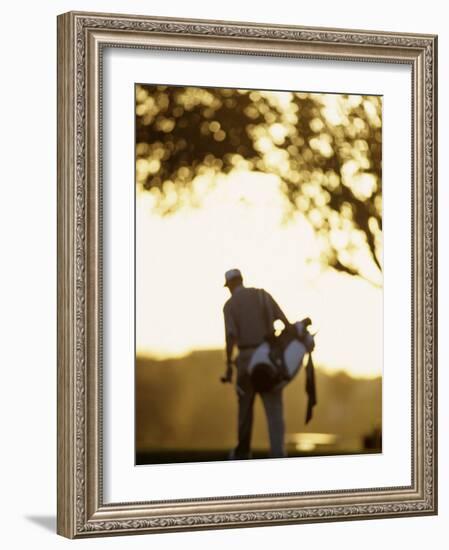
(247, 274)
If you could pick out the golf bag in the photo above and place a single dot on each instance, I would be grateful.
(278, 360)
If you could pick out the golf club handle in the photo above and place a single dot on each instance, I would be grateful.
(227, 378)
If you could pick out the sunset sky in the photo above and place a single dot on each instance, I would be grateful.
(181, 260)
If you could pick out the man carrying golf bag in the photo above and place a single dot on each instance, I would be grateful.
(265, 364)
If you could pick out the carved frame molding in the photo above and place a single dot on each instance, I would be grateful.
(81, 39)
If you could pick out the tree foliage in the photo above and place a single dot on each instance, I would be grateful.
(325, 148)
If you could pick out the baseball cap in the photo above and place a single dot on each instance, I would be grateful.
(232, 274)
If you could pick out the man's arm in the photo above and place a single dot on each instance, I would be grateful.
(231, 341)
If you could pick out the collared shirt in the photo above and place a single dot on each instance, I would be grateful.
(249, 315)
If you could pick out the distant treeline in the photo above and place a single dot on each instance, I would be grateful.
(180, 404)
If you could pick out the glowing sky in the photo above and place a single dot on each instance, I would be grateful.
(181, 260)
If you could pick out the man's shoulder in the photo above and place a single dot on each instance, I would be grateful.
(260, 291)
(238, 296)
(252, 289)
(265, 292)
(246, 291)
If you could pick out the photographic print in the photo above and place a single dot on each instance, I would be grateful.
(258, 261)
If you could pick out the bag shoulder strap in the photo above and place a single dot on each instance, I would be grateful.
(268, 318)
(264, 306)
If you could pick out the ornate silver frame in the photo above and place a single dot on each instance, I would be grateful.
(81, 510)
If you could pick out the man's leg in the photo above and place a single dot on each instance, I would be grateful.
(245, 396)
(272, 402)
